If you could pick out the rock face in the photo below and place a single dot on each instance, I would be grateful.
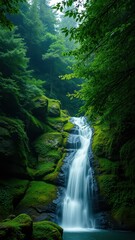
(22, 228)
(32, 154)
(19, 228)
(54, 108)
(13, 147)
(45, 230)
(38, 201)
(40, 107)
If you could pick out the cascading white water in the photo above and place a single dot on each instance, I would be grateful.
(77, 206)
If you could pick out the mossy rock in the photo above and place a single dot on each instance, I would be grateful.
(45, 230)
(40, 107)
(125, 216)
(68, 127)
(57, 123)
(53, 177)
(65, 138)
(11, 192)
(19, 228)
(53, 108)
(13, 147)
(48, 146)
(37, 197)
(100, 143)
(107, 184)
(106, 166)
(42, 169)
(34, 126)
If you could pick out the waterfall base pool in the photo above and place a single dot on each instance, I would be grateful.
(98, 235)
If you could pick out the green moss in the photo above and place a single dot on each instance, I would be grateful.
(19, 228)
(46, 231)
(65, 138)
(119, 194)
(127, 154)
(106, 166)
(68, 126)
(125, 216)
(57, 123)
(54, 155)
(22, 219)
(101, 142)
(11, 191)
(52, 177)
(13, 129)
(47, 142)
(64, 114)
(107, 184)
(49, 147)
(115, 176)
(53, 108)
(42, 169)
(40, 107)
(38, 194)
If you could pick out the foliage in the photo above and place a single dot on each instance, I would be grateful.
(8, 6)
(105, 60)
(46, 49)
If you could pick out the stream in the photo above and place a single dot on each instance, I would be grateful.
(99, 235)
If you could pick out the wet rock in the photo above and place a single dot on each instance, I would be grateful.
(73, 142)
(102, 220)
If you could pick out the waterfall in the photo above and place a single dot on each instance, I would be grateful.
(77, 206)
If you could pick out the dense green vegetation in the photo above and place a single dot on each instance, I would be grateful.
(22, 227)
(32, 134)
(106, 60)
(33, 126)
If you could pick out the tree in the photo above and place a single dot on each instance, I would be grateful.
(8, 7)
(16, 82)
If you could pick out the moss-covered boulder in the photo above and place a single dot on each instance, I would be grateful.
(40, 107)
(37, 201)
(34, 126)
(53, 108)
(22, 228)
(49, 150)
(11, 192)
(13, 147)
(19, 228)
(45, 230)
(57, 124)
(48, 147)
(54, 176)
(41, 170)
(68, 127)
